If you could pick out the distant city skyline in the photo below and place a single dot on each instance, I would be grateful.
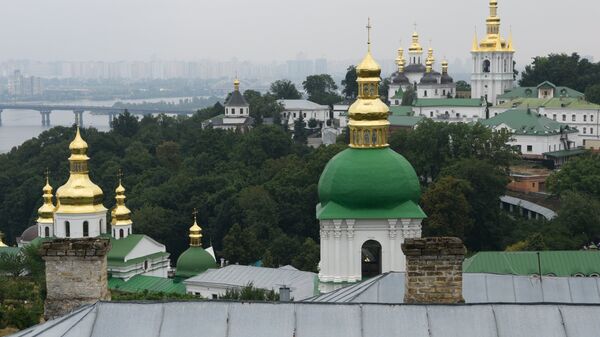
(265, 30)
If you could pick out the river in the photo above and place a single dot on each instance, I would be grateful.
(21, 125)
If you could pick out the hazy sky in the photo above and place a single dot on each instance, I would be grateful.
(280, 29)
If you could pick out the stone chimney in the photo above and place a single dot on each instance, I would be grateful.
(75, 274)
(433, 270)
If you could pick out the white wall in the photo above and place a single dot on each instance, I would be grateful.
(96, 224)
(498, 80)
(456, 114)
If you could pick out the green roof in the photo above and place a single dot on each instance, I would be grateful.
(565, 153)
(532, 92)
(528, 122)
(443, 102)
(10, 250)
(401, 110)
(194, 261)
(557, 263)
(399, 94)
(550, 103)
(369, 184)
(151, 257)
(141, 283)
(121, 247)
(410, 121)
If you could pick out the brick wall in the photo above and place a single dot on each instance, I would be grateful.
(433, 270)
(75, 274)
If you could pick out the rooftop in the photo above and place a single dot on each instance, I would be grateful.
(550, 103)
(301, 104)
(532, 92)
(444, 102)
(527, 122)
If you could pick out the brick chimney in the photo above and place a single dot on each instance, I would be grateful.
(75, 274)
(433, 270)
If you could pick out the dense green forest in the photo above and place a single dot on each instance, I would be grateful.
(256, 192)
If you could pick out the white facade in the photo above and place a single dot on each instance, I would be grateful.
(74, 226)
(157, 265)
(342, 242)
(294, 108)
(237, 111)
(492, 74)
(451, 114)
(436, 90)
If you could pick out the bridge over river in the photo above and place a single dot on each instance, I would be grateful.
(78, 110)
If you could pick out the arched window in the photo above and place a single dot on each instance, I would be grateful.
(46, 232)
(86, 229)
(486, 66)
(67, 229)
(370, 259)
(121, 233)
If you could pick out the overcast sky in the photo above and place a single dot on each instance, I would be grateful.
(265, 30)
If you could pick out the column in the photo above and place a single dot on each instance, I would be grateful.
(337, 233)
(0, 117)
(392, 237)
(324, 267)
(352, 259)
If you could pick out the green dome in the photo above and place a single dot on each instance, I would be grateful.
(193, 261)
(369, 184)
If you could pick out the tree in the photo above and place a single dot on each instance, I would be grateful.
(463, 86)
(447, 207)
(125, 124)
(312, 123)
(168, 155)
(12, 263)
(262, 106)
(561, 69)
(580, 175)
(241, 246)
(384, 89)
(300, 135)
(321, 89)
(580, 216)
(349, 83)
(308, 257)
(410, 95)
(285, 89)
(250, 293)
(535, 242)
(592, 93)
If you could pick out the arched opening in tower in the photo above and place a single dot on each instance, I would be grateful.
(370, 259)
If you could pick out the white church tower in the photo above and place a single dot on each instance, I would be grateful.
(368, 195)
(79, 211)
(492, 60)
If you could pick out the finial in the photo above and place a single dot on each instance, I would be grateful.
(415, 25)
(47, 173)
(369, 34)
(120, 175)
(195, 213)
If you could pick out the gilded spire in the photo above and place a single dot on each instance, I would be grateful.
(195, 233)
(46, 211)
(415, 46)
(400, 62)
(368, 115)
(475, 46)
(79, 194)
(236, 84)
(121, 215)
(493, 41)
(444, 67)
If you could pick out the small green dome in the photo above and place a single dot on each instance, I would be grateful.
(194, 261)
(369, 184)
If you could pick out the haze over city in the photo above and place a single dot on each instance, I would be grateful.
(266, 30)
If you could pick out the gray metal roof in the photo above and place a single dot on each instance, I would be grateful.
(236, 99)
(545, 212)
(301, 283)
(237, 319)
(477, 288)
(301, 104)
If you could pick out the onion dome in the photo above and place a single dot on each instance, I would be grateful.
(46, 211)
(121, 215)
(79, 194)
(236, 99)
(368, 180)
(415, 46)
(195, 260)
(430, 77)
(445, 79)
(400, 78)
(493, 41)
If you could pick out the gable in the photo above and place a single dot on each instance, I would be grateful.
(146, 246)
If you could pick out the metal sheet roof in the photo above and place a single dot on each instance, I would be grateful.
(237, 319)
(477, 288)
(301, 104)
(301, 283)
(545, 212)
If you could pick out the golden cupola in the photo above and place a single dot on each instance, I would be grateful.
(400, 62)
(492, 41)
(79, 194)
(46, 211)
(236, 84)
(121, 215)
(368, 122)
(415, 46)
(195, 234)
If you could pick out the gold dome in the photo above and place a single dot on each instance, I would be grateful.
(46, 211)
(400, 62)
(236, 84)
(121, 215)
(493, 41)
(79, 194)
(195, 234)
(415, 46)
(368, 122)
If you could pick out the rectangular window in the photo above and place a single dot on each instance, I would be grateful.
(584, 131)
(591, 118)
(585, 118)
(564, 118)
(529, 148)
(591, 131)
(554, 117)
(232, 111)
(573, 118)
(294, 115)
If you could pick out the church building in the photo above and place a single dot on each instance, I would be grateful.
(237, 113)
(492, 61)
(368, 195)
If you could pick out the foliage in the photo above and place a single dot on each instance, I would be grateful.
(409, 97)
(309, 256)
(284, 89)
(321, 89)
(592, 93)
(12, 263)
(250, 293)
(384, 89)
(580, 174)
(262, 106)
(535, 242)
(447, 207)
(463, 86)
(300, 134)
(21, 302)
(150, 296)
(561, 69)
(349, 83)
